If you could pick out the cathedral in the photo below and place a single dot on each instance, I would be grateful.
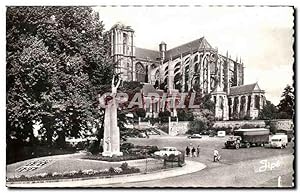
(193, 66)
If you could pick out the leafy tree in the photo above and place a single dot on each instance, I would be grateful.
(197, 126)
(164, 116)
(204, 117)
(57, 61)
(268, 112)
(184, 115)
(141, 112)
(286, 104)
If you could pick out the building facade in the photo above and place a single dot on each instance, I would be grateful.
(194, 66)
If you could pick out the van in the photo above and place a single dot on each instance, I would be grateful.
(221, 133)
(279, 141)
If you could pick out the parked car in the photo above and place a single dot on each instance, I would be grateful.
(195, 136)
(166, 151)
(204, 132)
(221, 133)
(279, 140)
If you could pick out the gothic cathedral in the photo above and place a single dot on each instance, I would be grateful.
(193, 66)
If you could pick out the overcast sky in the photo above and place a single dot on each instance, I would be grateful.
(261, 36)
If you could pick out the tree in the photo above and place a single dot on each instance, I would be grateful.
(141, 112)
(57, 61)
(204, 117)
(185, 115)
(197, 126)
(286, 104)
(268, 112)
(164, 116)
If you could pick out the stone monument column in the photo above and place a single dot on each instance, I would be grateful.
(111, 137)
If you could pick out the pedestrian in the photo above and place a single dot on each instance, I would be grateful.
(198, 150)
(187, 151)
(216, 155)
(194, 152)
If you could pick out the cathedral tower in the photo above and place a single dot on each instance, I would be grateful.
(123, 51)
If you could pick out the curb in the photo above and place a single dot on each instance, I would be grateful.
(84, 182)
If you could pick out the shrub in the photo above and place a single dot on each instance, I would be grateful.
(247, 117)
(111, 170)
(141, 112)
(164, 116)
(247, 126)
(153, 149)
(94, 147)
(196, 126)
(124, 166)
(78, 174)
(125, 147)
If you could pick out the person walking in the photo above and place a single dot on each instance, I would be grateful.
(194, 152)
(216, 155)
(187, 151)
(198, 150)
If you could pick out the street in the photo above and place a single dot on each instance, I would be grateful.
(256, 166)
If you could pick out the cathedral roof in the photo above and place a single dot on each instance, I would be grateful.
(188, 47)
(245, 89)
(146, 54)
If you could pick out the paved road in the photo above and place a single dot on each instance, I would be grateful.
(238, 168)
(241, 174)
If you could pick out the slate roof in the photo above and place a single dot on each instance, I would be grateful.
(153, 55)
(146, 54)
(188, 47)
(244, 89)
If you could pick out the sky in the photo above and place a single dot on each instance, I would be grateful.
(261, 36)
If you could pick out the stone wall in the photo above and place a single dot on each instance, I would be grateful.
(237, 124)
(279, 124)
(181, 127)
(178, 128)
(282, 124)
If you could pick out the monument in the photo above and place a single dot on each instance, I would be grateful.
(111, 138)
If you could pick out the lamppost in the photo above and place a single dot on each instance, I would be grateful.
(146, 163)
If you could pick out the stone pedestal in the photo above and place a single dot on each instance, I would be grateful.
(111, 138)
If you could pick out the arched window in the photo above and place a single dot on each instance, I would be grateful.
(221, 102)
(257, 103)
(125, 41)
(196, 58)
(140, 72)
(243, 103)
(177, 81)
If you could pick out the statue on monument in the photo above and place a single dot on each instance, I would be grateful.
(111, 145)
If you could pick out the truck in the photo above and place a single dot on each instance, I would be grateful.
(279, 140)
(248, 137)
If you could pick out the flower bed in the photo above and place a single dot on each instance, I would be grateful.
(123, 169)
(115, 158)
